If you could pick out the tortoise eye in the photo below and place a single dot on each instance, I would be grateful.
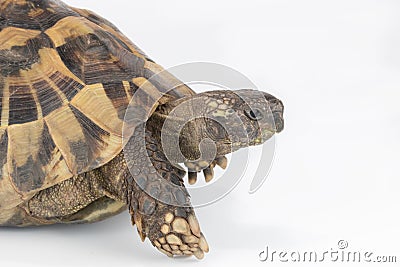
(254, 114)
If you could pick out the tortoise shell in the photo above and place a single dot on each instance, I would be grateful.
(66, 79)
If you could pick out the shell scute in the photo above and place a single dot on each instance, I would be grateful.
(66, 78)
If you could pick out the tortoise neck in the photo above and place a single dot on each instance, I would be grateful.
(179, 140)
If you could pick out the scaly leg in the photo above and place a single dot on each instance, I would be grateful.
(157, 199)
(67, 197)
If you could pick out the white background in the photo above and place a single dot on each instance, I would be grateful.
(335, 65)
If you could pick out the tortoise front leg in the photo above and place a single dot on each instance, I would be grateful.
(157, 199)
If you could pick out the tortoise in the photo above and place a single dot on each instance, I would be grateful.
(67, 79)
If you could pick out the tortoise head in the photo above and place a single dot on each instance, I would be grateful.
(215, 123)
(242, 118)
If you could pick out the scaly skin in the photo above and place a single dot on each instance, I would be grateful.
(151, 184)
(158, 202)
(67, 76)
(166, 217)
(221, 116)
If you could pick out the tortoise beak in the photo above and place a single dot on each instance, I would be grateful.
(277, 108)
(279, 123)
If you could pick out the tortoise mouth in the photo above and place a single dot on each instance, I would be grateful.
(279, 122)
(264, 136)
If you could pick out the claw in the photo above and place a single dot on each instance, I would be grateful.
(194, 167)
(203, 244)
(194, 225)
(192, 177)
(139, 226)
(212, 165)
(208, 174)
(222, 162)
(199, 254)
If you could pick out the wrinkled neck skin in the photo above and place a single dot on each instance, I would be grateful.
(179, 146)
(182, 141)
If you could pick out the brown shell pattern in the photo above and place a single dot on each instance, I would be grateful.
(66, 78)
